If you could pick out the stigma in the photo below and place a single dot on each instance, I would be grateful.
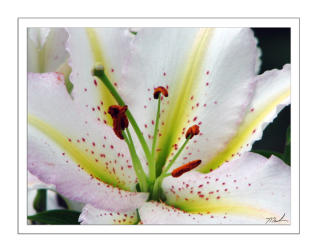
(185, 168)
(120, 120)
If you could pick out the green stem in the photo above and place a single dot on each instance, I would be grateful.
(142, 177)
(39, 202)
(98, 71)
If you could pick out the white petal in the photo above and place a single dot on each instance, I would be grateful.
(46, 49)
(93, 216)
(35, 183)
(271, 95)
(160, 213)
(65, 135)
(78, 130)
(46, 161)
(208, 73)
(87, 46)
(251, 187)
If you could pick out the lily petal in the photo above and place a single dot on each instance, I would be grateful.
(207, 73)
(250, 187)
(93, 216)
(160, 213)
(70, 148)
(46, 49)
(35, 183)
(88, 46)
(272, 94)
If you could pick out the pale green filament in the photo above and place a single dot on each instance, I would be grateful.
(136, 162)
(156, 189)
(175, 156)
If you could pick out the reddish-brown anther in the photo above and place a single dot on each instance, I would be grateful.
(192, 131)
(120, 120)
(160, 90)
(185, 168)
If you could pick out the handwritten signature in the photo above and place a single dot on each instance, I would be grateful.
(270, 220)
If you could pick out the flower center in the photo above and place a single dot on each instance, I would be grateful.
(121, 117)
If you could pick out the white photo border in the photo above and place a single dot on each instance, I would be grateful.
(24, 228)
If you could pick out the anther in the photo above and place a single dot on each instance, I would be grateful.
(192, 131)
(120, 120)
(160, 90)
(185, 168)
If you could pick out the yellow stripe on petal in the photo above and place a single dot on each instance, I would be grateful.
(224, 207)
(187, 85)
(77, 154)
(98, 55)
(251, 123)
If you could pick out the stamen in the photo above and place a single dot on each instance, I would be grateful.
(185, 168)
(160, 90)
(120, 120)
(98, 71)
(192, 131)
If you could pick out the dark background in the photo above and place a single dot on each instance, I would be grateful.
(275, 46)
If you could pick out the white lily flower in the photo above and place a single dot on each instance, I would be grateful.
(208, 90)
